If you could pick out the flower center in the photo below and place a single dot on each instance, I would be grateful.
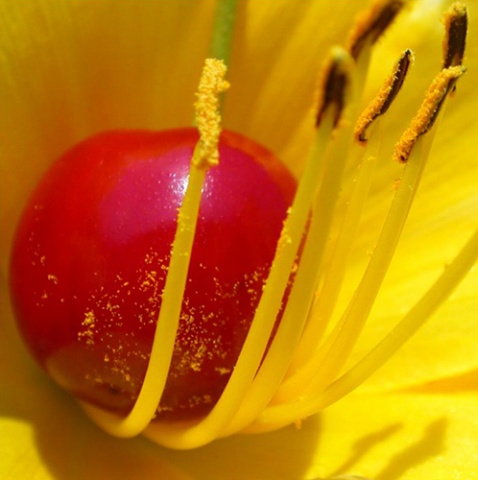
(301, 372)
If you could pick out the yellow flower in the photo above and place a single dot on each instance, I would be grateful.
(72, 68)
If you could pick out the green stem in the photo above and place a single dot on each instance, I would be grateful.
(223, 30)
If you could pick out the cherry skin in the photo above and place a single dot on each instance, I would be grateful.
(91, 254)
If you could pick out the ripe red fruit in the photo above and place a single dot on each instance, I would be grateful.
(91, 255)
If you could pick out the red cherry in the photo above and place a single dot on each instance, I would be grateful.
(91, 255)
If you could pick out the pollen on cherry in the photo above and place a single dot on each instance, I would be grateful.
(91, 255)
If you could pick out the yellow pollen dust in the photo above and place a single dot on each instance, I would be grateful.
(428, 111)
(208, 118)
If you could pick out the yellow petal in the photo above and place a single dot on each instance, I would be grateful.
(71, 68)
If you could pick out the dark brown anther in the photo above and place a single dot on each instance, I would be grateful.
(370, 26)
(381, 103)
(333, 92)
(399, 77)
(456, 25)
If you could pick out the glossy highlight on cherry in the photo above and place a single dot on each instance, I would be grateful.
(91, 256)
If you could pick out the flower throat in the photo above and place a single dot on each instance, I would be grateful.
(290, 369)
(301, 373)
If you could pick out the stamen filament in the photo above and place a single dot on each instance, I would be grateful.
(306, 363)
(443, 287)
(266, 313)
(327, 199)
(338, 346)
(283, 348)
(205, 155)
(163, 343)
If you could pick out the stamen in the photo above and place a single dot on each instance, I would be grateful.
(428, 112)
(333, 354)
(205, 155)
(372, 23)
(455, 21)
(381, 103)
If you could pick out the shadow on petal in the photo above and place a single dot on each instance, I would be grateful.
(392, 437)
(364, 444)
(430, 445)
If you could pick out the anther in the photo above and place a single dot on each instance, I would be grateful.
(372, 23)
(428, 112)
(382, 101)
(208, 118)
(334, 87)
(455, 21)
